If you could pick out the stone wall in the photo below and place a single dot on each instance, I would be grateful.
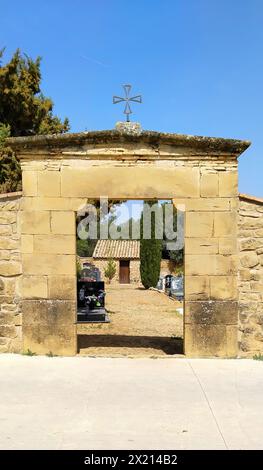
(55, 189)
(134, 270)
(167, 267)
(61, 172)
(10, 274)
(250, 241)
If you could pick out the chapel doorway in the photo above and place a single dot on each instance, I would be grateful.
(124, 271)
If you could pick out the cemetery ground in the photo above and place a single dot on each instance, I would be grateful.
(143, 323)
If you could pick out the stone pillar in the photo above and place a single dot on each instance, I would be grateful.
(210, 327)
(49, 264)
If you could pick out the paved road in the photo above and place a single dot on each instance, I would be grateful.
(85, 403)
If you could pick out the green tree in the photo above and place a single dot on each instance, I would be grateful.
(24, 110)
(173, 255)
(110, 270)
(78, 268)
(150, 255)
(85, 248)
(10, 172)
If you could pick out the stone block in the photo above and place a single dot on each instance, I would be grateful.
(235, 203)
(18, 319)
(209, 265)
(145, 181)
(6, 318)
(5, 230)
(228, 184)
(4, 345)
(48, 264)
(8, 331)
(256, 286)
(249, 259)
(49, 183)
(9, 307)
(10, 285)
(62, 287)
(12, 204)
(209, 185)
(246, 296)
(256, 274)
(214, 312)
(10, 268)
(5, 255)
(35, 222)
(225, 224)
(252, 223)
(199, 224)
(33, 287)
(197, 288)
(16, 344)
(198, 246)
(7, 243)
(223, 287)
(57, 244)
(63, 222)
(29, 183)
(204, 204)
(7, 217)
(49, 326)
(227, 246)
(210, 340)
(244, 274)
(27, 243)
(53, 203)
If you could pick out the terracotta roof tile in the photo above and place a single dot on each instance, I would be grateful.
(129, 249)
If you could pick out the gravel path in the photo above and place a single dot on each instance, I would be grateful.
(142, 323)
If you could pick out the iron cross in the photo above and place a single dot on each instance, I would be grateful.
(127, 99)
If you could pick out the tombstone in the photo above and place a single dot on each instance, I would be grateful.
(90, 273)
(91, 301)
(177, 287)
(168, 284)
(161, 283)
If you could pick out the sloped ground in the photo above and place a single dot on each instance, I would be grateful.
(142, 323)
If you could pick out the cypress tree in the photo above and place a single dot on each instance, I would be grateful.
(150, 255)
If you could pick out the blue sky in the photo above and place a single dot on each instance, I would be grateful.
(197, 63)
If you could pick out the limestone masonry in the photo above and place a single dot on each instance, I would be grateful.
(10, 274)
(250, 281)
(223, 235)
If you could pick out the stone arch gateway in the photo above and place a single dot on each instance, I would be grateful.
(60, 172)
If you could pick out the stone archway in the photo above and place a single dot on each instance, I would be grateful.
(61, 172)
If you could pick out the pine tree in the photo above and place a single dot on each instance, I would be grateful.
(110, 270)
(24, 110)
(150, 256)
